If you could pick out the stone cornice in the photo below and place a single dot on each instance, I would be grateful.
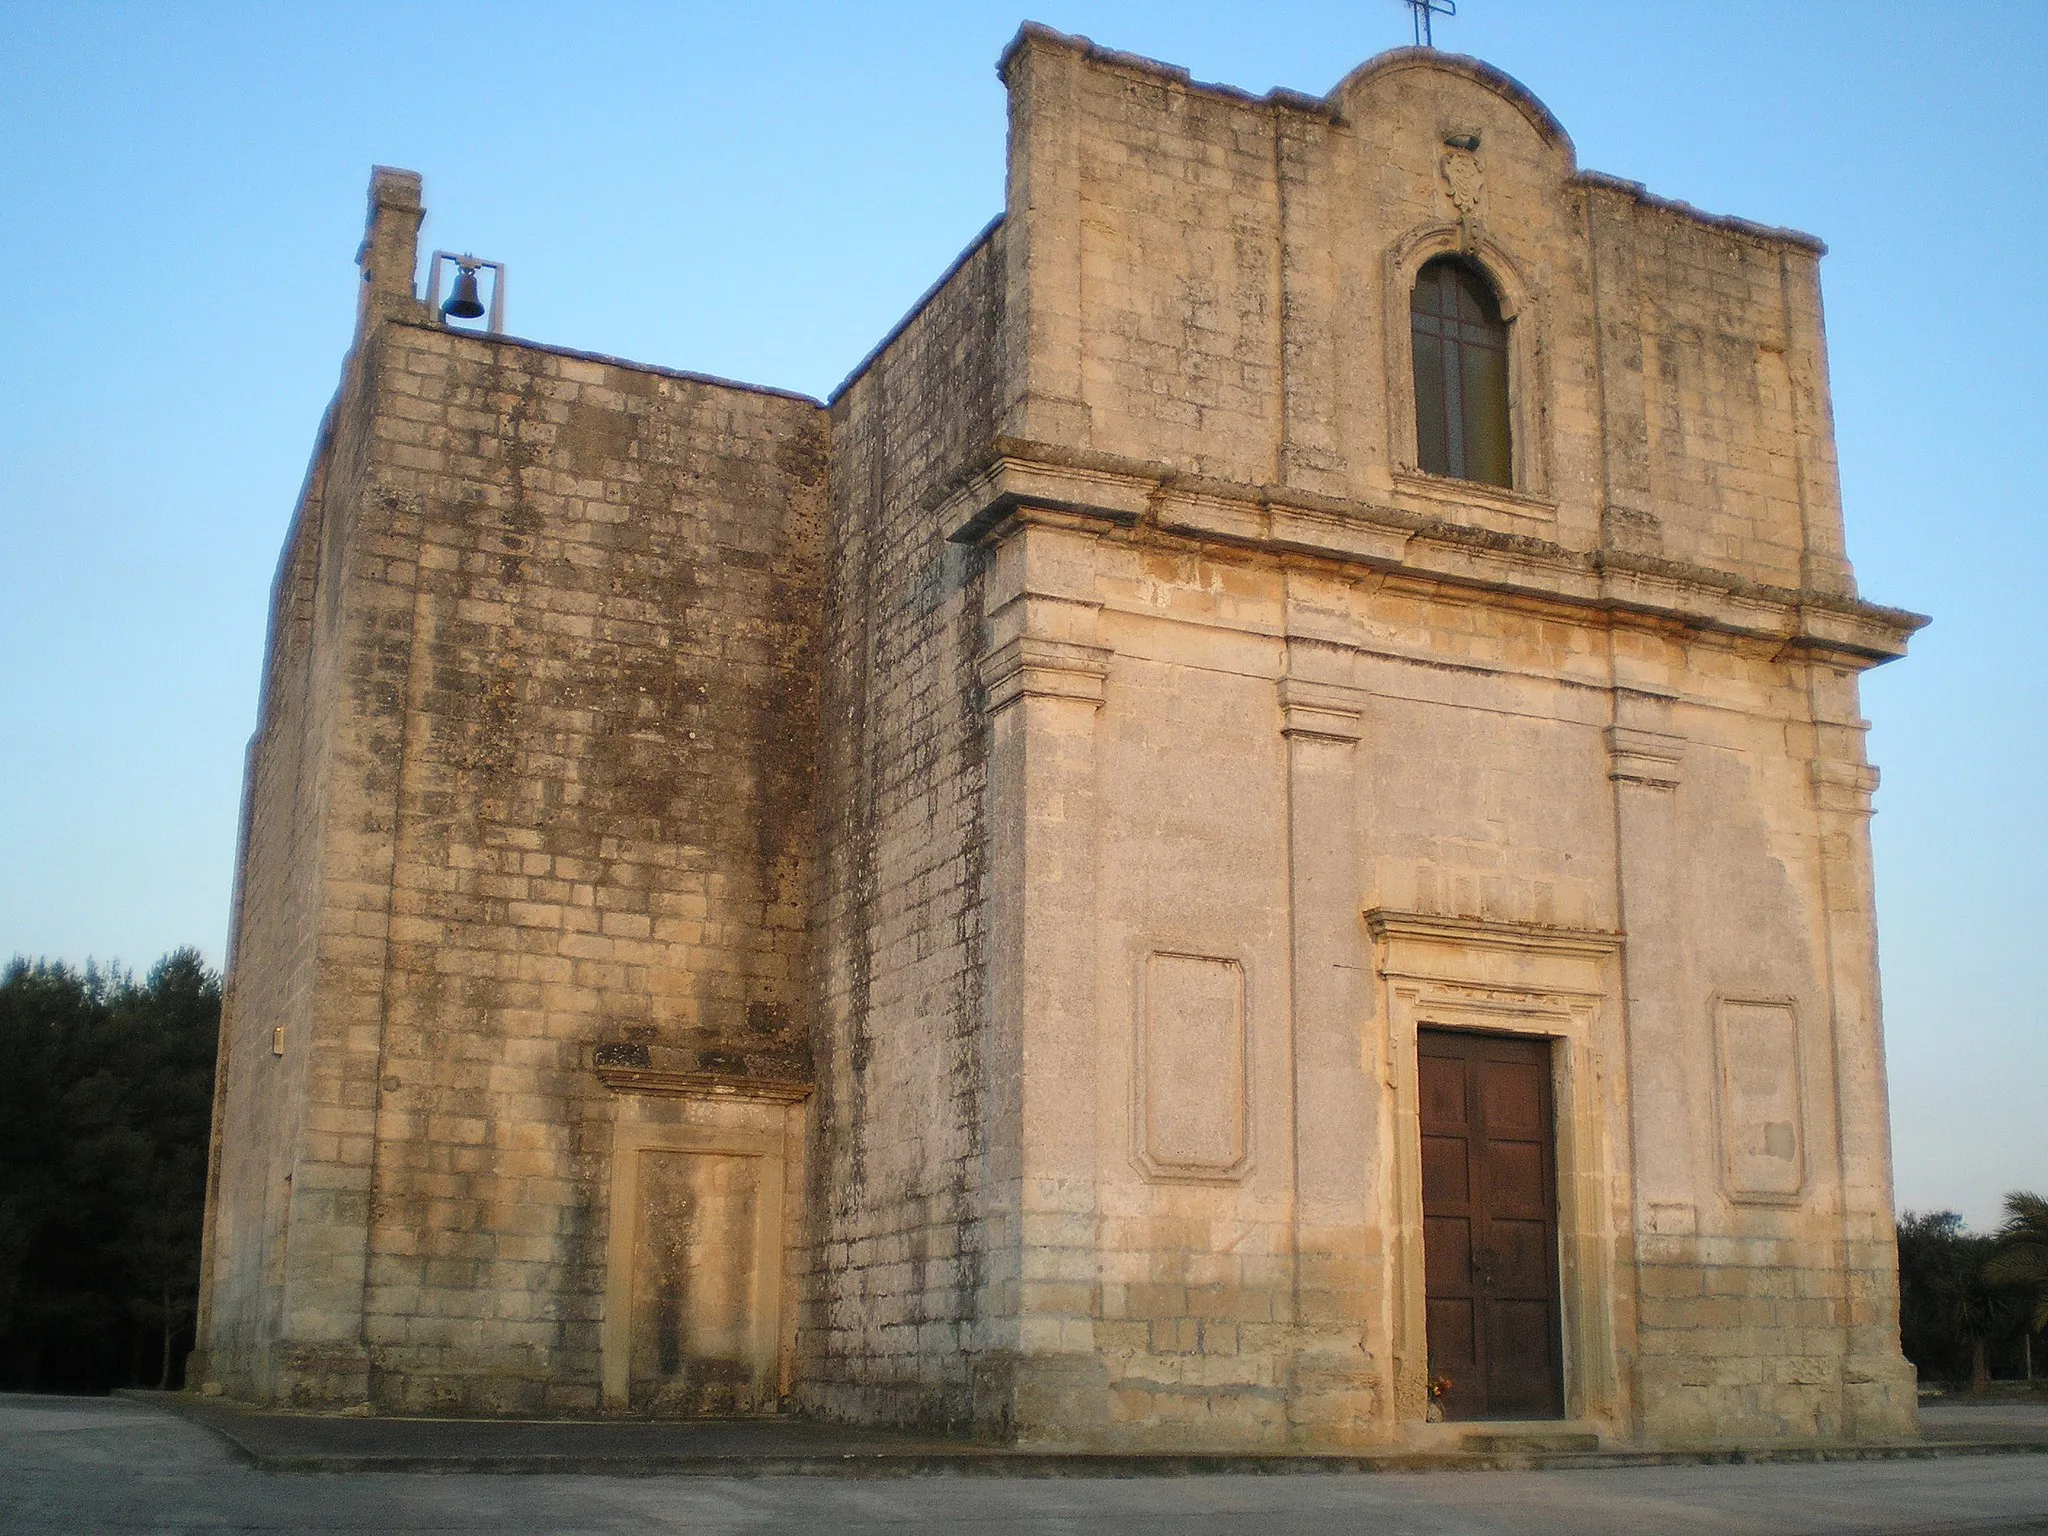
(421, 318)
(1330, 109)
(1433, 950)
(1021, 480)
(1763, 234)
(1534, 512)
(1035, 34)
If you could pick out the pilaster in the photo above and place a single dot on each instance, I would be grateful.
(1627, 523)
(1311, 453)
(1044, 680)
(1666, 1113)
(1646, 759)
(1337, 1393)
(1878, 1386)
(1825, 565)
(1041, 389)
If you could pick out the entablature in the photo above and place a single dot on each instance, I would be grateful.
(1023, 482)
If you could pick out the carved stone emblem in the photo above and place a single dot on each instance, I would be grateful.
(1463, 180)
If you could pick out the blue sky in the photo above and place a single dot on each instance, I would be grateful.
(759, 192)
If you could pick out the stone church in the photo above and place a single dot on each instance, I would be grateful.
(1254, 837)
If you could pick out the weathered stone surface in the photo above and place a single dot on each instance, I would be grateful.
(533, 785)
(922, 907)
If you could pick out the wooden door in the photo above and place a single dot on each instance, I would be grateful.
(1489, 1224)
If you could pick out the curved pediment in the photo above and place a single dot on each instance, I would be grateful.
(1359, 92)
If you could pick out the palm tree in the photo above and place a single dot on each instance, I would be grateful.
(2021, 1259)
(1976, 1307)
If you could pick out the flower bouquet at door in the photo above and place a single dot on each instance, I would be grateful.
(1439, 1387)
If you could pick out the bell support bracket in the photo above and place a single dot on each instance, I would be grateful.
(466, 268)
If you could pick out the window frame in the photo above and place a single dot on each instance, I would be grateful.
(1528, 416)
(1455, 325)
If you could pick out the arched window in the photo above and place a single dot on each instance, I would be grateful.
(1461, 375)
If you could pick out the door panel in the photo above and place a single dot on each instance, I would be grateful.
(1513, 1097)
(1443, 1093)
(1518, 1182)
(1489, 1202)
(1526, 1250)
(1453, 1342)
(1446, 1253)
(1445, 1170)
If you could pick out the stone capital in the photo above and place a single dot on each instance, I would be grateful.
(1650, 758)
(1321, 711)
(1843, 787)
(1053, 669)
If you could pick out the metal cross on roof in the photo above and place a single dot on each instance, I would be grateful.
(1424, 10)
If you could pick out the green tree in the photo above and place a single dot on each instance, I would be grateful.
(1978, 1307)
(2021, 1257)
(1961, 1293)
(106, 1091)
(1927, 1241)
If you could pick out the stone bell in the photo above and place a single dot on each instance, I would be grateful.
(463, 303)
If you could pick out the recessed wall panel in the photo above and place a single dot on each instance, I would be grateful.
(1192, 1091)
(1762, 1128)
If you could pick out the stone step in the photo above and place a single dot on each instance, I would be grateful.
(1509, 1441)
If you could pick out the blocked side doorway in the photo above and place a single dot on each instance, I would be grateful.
(695, 1320)
(1489, 1223)
(704, 1260)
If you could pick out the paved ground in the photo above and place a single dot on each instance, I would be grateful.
(293, 1442)
(2013, 1418)
(298, 1442)
(76, 1465)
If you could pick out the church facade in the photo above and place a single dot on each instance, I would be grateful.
(1256, 836)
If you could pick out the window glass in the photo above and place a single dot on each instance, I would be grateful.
(1461, 375)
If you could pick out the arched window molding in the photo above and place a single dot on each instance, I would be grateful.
(1528, 388)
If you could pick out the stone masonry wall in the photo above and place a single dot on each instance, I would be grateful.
(563, 643)
(1217, 288)
(605, 835)
(272, 960)
(892, 1317)
(1740, 451)
(1220, 283)
(1088, 752)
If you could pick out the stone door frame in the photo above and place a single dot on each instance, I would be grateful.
(693, 1117)
(1514, 979)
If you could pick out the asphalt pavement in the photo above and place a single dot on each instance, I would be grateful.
(104, 1465)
